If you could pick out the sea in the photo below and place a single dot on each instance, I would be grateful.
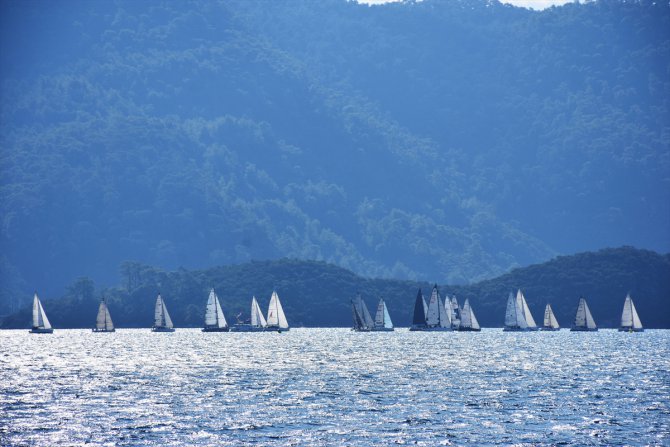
(334, 387)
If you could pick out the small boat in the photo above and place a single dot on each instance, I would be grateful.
(362, 318)
(276, 319)
(215, 321)
(257, 322)
(550, 321)
(452, 305)
(162, 320)
(383, 321)
(103, 322)
(583, 320)
(420, 311)
(630, 321)
(437, 317)
(41, 323)
(468, 320)
(517, 315)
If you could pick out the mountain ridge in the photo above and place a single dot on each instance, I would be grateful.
(315, 293)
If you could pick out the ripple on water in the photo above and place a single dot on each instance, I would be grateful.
(323, 387)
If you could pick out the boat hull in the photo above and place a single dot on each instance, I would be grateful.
(383, 329)
(631, 329)
(550, 329)
(216, 329)
(468, 329)
(103, 330)
(583, 329)
(277, 329)
(162, 329)
(246, 328)
(38, 330)
(431, 329)
(520, 329)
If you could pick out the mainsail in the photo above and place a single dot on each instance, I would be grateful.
(437, 316)
(103, 322)
(362, 318)
(257, 318)
(162, 318)
(468, 320)
(550, 321)
(214, 317)
(382, 318)
(630, 321)
(452, 306)
(40, 320)
(583, 319)
(276, 317)
(420, 311)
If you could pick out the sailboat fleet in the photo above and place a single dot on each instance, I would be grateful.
(363, 321)
(439, 316)
(435, 315)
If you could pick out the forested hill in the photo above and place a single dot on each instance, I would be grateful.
(451, 139)
(318, 294)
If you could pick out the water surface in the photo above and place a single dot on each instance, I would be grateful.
(321, 387)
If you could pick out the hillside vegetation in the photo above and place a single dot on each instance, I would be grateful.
(447, 139)
(318, 294)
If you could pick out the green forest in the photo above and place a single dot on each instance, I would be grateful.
(446, 139)
(316, 294)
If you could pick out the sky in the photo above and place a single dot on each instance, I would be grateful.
(533, 4)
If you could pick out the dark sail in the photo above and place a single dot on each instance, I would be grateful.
(419, 318)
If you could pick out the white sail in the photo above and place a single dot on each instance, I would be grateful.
(629, 316)
(214, 314)
(549, 318)
(382, 317)
(257, 318)
(161, 315)
(583, 318)
(637, 324)
(530, 321)
(103, 321)
(437, 315)
(514, 313)
(456, 312)
(276, 317)
(590, 323)
(468, 319)
(40, 319)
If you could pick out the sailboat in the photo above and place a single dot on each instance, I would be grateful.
(41, 323)
(215, 321)
(103, 322)
(550, 322)
(514, 319)
(453, 307)
(420, 311)
(162, 320)
(276, 318)
(583, 320)
(630, 321)
(468, 320)
(257, 322)
(383, 321)
(517, 315)
(362, 318)
(437, 317)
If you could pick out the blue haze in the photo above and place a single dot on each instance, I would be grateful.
(443, 141)
(318, 387)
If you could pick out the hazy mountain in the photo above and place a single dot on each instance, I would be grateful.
(318, 294)
(451, 140)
